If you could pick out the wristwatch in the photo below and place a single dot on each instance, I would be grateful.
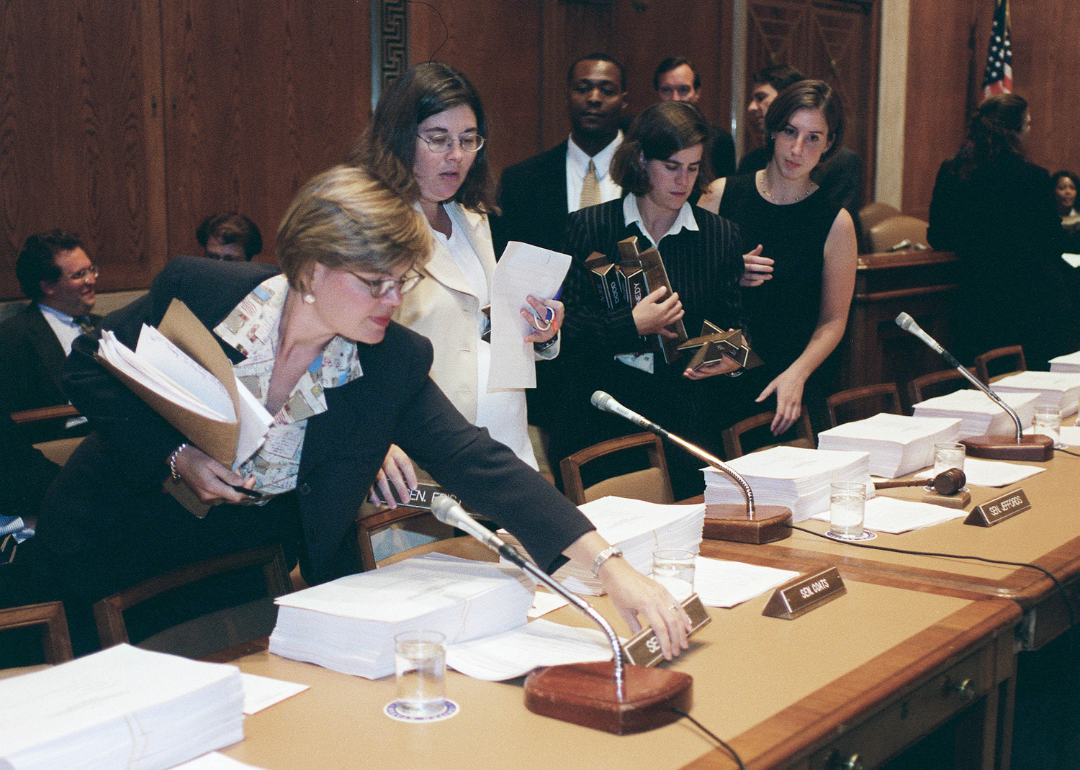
(603, 556)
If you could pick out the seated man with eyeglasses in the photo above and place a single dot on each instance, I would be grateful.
(56, 273)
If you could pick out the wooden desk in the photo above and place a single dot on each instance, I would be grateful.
(870, 673)
(1047, 535)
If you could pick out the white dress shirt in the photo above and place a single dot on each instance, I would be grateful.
(577, 163)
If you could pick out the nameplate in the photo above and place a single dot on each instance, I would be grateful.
(997, 510)
(422, 496)
(644, 649)
(803, 594)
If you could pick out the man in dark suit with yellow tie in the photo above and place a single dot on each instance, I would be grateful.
(55, 271)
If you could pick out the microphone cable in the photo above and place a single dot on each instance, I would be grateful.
(734, 754)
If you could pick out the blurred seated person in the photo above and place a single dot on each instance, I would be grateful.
(25, 474)
(318, 348)
(229, 237)
(56, 273)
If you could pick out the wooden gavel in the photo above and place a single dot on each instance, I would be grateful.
(945, 483)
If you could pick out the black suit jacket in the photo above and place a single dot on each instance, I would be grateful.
(532, 196)
(32, 368)
(108, 499)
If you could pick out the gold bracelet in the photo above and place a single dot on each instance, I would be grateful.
(172, 461)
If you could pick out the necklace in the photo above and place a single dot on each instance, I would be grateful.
(780, 200)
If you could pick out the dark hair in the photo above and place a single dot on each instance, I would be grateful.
(779, 76)
(387, 149)
(806, 94)
(1058, 176)
(36, 262)
(597, 57)
(229, 228)
(994, 132)
(658, 133)
(670, 63)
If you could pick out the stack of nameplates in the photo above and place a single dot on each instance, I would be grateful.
(1069, 363)
(796, 478)
(349, 624)
(977, 412)
(121, 707)
(638, 528)
(897, 444)
(1056, 389)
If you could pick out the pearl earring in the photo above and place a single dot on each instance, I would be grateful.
(309, 299)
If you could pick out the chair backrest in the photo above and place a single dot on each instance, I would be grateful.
(1013, 356)
(55, 640)
(874, 212)
(936, 384)
(888, 233)
(860, 403)
(109, 612)
(759, 423)
(368, 523)
(652, 484)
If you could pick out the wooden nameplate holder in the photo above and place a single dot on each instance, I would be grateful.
(1035, 448)
(804, 593)
(731, 522)
(999, 509)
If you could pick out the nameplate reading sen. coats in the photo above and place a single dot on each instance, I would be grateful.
(644, 649)
(804, 594)
(997, 510)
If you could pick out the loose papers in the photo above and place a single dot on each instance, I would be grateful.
(728, 583)
(638, 528)
(991, 473)
(1056, 389)
(977, 412)
(121, 707)
(887, 514)
(518, 651)
(897, 444)
(349, 624)
(796, 478)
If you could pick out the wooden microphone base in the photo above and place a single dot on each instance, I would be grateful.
(730, 522)
(584, 694)
(1033, 448)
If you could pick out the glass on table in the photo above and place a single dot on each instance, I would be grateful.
(847, 508)
(673, 568)
(948, 455)
(1048, 423)
(420, 666)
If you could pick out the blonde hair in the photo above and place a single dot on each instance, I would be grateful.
(345, 218)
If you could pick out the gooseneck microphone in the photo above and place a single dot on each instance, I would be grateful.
(448, 511)
(907, 323)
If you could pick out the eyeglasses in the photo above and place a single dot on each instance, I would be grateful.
(384, 286)
(441, 143)
(82, 275)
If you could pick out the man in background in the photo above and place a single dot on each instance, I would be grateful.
(677, 80)
(230, 237)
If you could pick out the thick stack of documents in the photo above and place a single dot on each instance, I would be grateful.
(349, 624)
(638, 528)
(977, 412)
(793, 477)
(121, 707)
(1056, 389)
(1069, 363)
(897, 444)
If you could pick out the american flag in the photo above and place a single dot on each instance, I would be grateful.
(998, 76)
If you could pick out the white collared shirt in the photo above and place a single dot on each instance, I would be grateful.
(577, 163)
(65, 327)
(632, 215)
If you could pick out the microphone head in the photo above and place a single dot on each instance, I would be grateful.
(441, 508)
(602, 401)
(906, 322)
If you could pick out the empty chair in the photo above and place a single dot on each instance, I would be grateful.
(860, 403)
(890, 234)
(1000, 362)
(55, 641)
(201, 636)
(936, 384)
(758, 425)
(652, 484)
(874, 212)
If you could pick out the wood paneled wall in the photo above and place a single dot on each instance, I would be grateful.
(947, 53)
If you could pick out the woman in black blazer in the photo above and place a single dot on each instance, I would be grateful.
(317, 347)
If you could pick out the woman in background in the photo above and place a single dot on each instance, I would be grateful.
(799, 274)
(997, 212)
(1065, 185)
(427, 142)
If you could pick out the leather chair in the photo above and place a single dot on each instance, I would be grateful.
(874, 212)
(860, 403)
(760, 422)
(55, 640)
(983, 362)
(652, 484)
(888, 234)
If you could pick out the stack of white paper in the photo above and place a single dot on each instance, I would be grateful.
(121, 707)
(978, 414)
(349, 624)
(1069, 363)
(793, 477)
(1056, 389)
(897, 444)
(638, 528)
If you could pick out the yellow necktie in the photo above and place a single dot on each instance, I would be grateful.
(590, 187)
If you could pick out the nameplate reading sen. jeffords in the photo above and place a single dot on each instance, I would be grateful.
(997, 510)
(805, 593)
